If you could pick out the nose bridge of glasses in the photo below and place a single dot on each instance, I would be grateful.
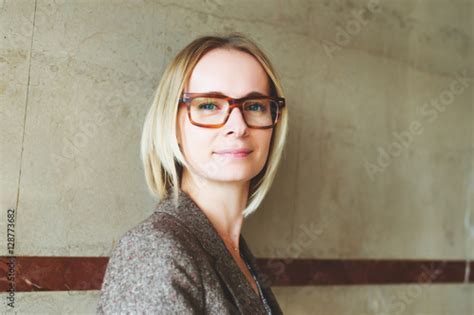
(235, 104)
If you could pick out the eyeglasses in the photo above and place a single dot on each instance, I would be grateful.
(212, 110)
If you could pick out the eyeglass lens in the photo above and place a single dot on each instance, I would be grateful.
(256, 112)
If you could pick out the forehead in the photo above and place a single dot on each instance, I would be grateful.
(232, 72)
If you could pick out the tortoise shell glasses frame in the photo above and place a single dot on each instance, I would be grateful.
(187, 97)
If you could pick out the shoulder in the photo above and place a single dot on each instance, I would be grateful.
(145, 265)
(159, 239)
(159, 232)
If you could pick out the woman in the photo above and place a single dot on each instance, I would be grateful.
(211, 144)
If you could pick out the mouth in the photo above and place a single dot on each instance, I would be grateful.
(237, 153)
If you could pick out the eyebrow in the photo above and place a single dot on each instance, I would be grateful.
(251, 94)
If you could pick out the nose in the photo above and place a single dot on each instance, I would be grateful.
(236, 123)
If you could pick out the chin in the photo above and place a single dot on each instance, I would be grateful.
(232, 177)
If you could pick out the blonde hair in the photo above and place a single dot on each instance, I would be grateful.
(161, 155)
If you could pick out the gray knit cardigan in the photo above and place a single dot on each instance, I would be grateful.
(174, 262)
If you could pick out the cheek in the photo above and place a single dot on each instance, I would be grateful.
(196, 141)
(264, 141)
(185, 127)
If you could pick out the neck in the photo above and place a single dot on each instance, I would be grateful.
(222, 202)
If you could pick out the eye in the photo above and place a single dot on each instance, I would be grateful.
(256, 107)
(207, 106)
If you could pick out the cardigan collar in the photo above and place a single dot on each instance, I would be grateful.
(192, 217)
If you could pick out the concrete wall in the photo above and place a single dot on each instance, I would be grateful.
(379, 159)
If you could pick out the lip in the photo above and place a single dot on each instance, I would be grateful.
(234, 151)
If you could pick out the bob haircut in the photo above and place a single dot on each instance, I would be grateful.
(160, 153)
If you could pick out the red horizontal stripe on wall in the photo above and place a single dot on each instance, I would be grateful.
(299, 272)
(53, 273)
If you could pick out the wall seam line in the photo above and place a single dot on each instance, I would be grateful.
(26, 108)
